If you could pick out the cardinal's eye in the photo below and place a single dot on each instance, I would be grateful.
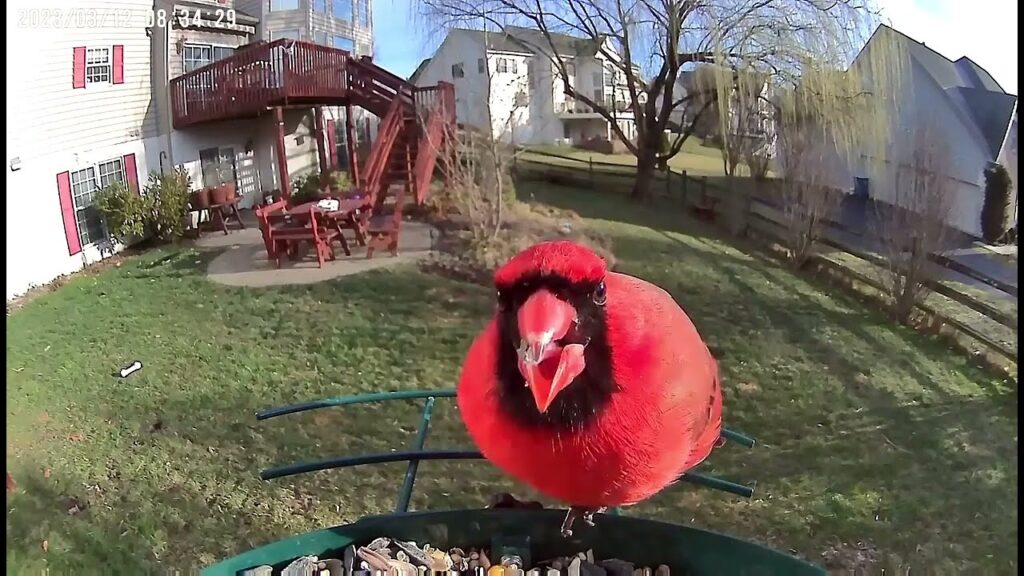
(600, 294)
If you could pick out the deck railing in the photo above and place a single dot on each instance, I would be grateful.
(249, 81)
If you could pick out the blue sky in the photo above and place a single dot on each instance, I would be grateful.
(983, 30)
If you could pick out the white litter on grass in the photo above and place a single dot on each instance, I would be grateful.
(131, 369)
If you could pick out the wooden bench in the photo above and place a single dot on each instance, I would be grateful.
(382, 229)
(286, 237)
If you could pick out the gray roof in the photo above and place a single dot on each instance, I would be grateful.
(419, 70)
(969, 87)
(529, 41)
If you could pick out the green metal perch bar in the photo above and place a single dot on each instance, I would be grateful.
(415, 395)
(418, 454)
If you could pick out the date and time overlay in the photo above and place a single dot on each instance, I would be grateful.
(84, 17)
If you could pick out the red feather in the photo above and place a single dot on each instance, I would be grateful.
(665, 418)
(562, 258)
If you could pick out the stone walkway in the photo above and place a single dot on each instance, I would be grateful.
(245, 263)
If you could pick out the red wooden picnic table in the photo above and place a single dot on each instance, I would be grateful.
(344, 217)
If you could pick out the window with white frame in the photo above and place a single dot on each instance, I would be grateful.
(457, 71)
(85, 184)
(506, 65)
(363, 13)
(342, 9)
(97, 65)
(278, 34)
(199, 55)
(344, 43)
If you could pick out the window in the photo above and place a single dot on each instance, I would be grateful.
(321, 6)
(363, 14)
(199, 55)
(344, 43)
(321, 38)
(97, 65)
(598, 96)
(218, 166)
(570, 68)
(457, 71)
(278, 34)
(481, 66)
(506, 65)
(84, 186)
(598, 79)
(342, 9)
(276, 5)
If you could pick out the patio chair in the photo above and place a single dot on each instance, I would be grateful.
(383, 226)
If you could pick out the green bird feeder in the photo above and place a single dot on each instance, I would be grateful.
(685, 550)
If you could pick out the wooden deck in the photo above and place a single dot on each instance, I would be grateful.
(280, 73)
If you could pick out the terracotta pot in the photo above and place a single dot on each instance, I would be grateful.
(201, 198)
(218, 194)
(232, 190)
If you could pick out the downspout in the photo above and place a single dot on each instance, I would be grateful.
(165, 79)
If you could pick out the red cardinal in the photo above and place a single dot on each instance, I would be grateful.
(591, 386)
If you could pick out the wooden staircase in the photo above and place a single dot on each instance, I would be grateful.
(268, 77)
(410, 136)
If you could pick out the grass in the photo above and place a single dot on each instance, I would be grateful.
(868, 433)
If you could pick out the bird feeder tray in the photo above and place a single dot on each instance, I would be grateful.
(684, 549)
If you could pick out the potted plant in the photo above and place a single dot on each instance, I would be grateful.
(200, 199)
(219, 194)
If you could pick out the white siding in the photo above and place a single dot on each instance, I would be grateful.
(43, 97)
(37, 251)
(54, 127)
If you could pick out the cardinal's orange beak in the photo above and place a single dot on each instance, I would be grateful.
(547, 366)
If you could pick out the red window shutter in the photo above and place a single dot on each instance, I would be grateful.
(332, 145)
(78, 68)
(131, 172)
(118, 68)
(67, 209)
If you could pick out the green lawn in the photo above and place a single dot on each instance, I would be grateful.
(868, 433)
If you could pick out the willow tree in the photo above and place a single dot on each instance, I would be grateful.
(648, 43)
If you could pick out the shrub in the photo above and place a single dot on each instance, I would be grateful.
(159, 212)
(307, 188)
(995, 212)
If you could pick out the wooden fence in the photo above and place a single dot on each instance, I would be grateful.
(763, 219)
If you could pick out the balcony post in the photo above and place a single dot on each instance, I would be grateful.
(350, 146)
(321, 140)
(282, 155)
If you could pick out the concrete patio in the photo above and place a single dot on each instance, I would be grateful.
(245, 263)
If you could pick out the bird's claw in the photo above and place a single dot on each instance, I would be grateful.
(586, 514)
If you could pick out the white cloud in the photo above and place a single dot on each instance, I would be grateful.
(983, 30)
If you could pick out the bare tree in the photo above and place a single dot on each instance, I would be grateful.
(806, 201)
(648, 42)
(914, 225)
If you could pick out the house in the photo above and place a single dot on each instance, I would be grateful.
(749, 118)
(243, 150)
(80, 115)
(516, 73)
(108, 76)
(964, 105)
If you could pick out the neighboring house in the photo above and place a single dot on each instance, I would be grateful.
(964, 106)
(102, 74)
(514, 71)
(755, 120)
(80, 115)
